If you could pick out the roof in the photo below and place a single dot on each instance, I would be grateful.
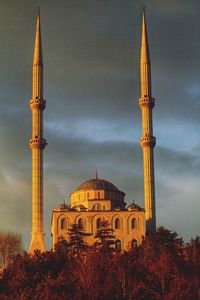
(134, 206)
(97, 184)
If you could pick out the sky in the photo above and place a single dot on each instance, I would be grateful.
(91, 53)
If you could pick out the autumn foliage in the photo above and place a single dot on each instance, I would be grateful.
(162, 267)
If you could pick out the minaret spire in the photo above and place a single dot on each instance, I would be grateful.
(38, 62)
(147, 141)
(145, 61)
(37, 144)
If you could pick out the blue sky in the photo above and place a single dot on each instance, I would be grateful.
(92, 120)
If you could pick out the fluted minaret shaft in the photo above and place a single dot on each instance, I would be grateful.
(37, 144)
(147, 140)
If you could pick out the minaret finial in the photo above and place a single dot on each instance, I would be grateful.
(97, 174)
(145, 63)
(37, 58)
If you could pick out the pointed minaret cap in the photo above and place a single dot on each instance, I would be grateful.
(37, 58)
(97, 178)
(145, 57)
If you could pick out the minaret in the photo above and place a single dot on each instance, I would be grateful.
(37, 145)
(147, 141)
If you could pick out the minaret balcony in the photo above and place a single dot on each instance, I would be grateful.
(148, 141)
(146, 102)
(37, 103)
(37, 143)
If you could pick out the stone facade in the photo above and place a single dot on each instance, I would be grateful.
(96, 200)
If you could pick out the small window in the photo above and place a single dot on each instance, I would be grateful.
(118, 245)
(133, 223)
(98, 223)
(81, 223)
(134, 243)
(63, 223)
(88, 195)
(104, 207)
(99, 195)
(97, 206)
(117, 223)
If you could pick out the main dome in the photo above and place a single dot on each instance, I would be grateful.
(97, 184)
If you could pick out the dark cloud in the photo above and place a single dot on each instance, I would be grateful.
(92, 120)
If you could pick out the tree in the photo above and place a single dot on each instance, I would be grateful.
(162, 267)
(192, 256)
(47, 275)
(62, 246)
(161, 253)
(105, 237)
(10, 246)
(77, 237)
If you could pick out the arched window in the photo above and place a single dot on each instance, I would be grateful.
(97, 206)
(99, 195)
(81, 223)
(63, 223)
(117, 223)
(118, 245)
(98, 223)
(88, 195)
(104, 207)
(133, 223)
(134, 243)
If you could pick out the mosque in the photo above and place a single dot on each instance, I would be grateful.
(96, 199)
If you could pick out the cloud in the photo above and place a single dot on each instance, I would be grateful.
(92, 119)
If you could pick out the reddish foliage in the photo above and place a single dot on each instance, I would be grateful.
(163, 267)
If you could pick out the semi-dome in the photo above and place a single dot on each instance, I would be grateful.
(97, 184)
